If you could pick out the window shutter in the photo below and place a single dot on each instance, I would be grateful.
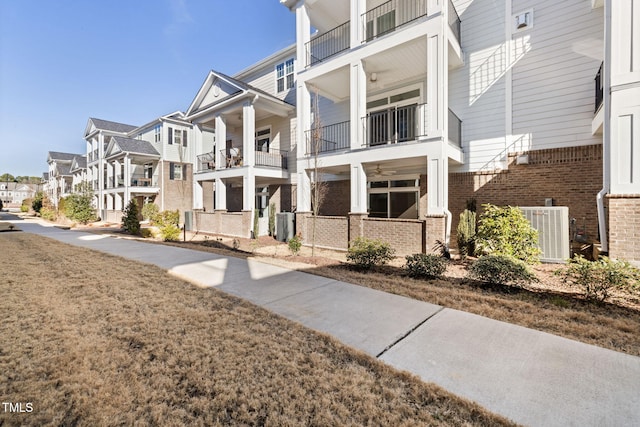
(171, 171)
(170, 138)
(184, 138)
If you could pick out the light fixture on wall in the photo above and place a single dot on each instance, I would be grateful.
(373, 77)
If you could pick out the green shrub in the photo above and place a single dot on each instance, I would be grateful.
(48, 213)
(130, 220)
(598, 278)
(26, 204)
(366, 253)
(295, 244)
(79, 206)
(36, 205)
(62, 205)
(149, 211)
(466, 233)
(506, 231)
(272, 219)
(501, 270)
(168, 225)
(427, 266)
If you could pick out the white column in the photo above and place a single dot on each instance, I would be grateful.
(220, 194)
(437, 184)
(435, 87)
(198, 192)
(358, 7)
(117, 203)
(248, 135)
(303, 35)
(304, 191)
(358, 189)
(249, 190)
(221, 137)
(127, 179)
(358, 103)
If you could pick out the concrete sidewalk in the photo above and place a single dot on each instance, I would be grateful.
(531, 377)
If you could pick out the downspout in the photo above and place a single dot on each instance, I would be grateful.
(606, 132)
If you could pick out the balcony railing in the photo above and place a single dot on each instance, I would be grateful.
(599, 88)
(329, 138)
(273, 158)
(328, 44)
(206, 162)
(397, 124)
(140, 180)
(391, 15)
(232, 157)
(454, 21)
(455, 129)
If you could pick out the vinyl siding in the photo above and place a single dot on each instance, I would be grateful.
(553, 83)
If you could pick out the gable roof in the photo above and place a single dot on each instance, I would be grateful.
(60, 157)
(121, 144)
(78, 163)
(242, 89)
(107, 125)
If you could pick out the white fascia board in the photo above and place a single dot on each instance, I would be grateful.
(206, 84)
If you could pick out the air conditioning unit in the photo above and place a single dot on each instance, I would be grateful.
(552, 223)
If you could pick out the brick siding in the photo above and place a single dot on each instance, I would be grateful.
(404, 235)
(624, 227)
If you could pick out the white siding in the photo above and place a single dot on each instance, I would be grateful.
(553, 83)
(477, 90)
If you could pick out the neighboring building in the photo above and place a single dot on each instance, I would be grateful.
(13, 193)
(78, 172)
(60, 182)
(423, 105)
(245, 159)
(151, 163)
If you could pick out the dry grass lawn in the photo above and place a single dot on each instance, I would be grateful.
(91, 339)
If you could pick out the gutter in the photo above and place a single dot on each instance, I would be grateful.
(606, 132)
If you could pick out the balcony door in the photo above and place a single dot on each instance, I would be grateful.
(394, 118)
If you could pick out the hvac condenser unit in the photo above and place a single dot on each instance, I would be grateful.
(552, 223)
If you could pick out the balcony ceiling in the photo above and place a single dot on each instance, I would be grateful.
(325, 15)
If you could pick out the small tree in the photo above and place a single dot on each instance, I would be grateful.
(150, 211)
(318, 185)
(36, 205)
(168, 223)
(506, 231)
(79, 206)
(466, 233)
(272, 219)
(130, 220)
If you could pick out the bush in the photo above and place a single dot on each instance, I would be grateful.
(130, 220)
(295, 243)
(501, 270)
(272, 219)
(427, 266)
(466, 233)
(506, 231)
(36, 205)
(48, 213)
(24, 207)
(168, 225)
(598, 278)
(149, 211)
(79, 207)
(366, 253)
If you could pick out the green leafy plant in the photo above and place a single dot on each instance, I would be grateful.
(501, 270)
(295, 244)
(149, 211)
(426, 266)
(79, 206)
(48, 213)
(466, 233)
(26, 203)
(130, 220)
(366, 253)
(598, 278)
(38, 199)
(506, 231)
(256, 224)
(272, 219)
(168, 223)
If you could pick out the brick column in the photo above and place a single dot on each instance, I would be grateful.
(356, 225)
(435, 229)
(624, 227)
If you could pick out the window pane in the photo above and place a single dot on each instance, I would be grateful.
(404, 183)
(379, 184)
(404, 205)
(405, 95)
(289, 81)
(280, 70)
(280, 85)
(378, 205)
(290, 66)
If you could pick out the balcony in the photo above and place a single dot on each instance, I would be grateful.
(599, 88)
(454, 21)
(206, 162)
(391, 15)
(273, 158)
(328, 44)
(329, 138)
(139, 180)
(395, 125)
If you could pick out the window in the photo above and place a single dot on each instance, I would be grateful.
(177, 172)
(394, 199)
(284, 75)
(177, 136)
(157, 133)
(384, 23)
(263, 138)
(170, 136)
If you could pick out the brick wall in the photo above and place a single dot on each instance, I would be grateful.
(177, 194)
(624, 227)
(331, 231)
(404, 235)
(221, 222)
(571, 176)
(337, 202)
(434, 231)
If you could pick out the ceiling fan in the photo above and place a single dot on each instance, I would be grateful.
(379, 172)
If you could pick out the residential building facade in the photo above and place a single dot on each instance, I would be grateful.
(60, 179)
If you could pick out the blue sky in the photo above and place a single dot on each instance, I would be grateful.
(64, 61)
